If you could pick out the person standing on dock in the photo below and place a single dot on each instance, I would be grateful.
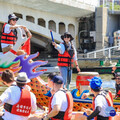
(67, 54)
(9, 33)
(61, 102)
(18, 102)
(101, 102)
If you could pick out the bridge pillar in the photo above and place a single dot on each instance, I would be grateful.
(36, 21)
(57, 28)
(66, 27)
(46, 22)
(24, 17)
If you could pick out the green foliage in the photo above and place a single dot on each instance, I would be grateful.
(116, 6)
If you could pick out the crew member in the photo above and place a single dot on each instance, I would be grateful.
(61, 103)
(9, 33)
(8, 78)
(67, 54)
(18, 102)
(117, 84)
(102, 100)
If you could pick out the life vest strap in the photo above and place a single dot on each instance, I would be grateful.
(8, 107)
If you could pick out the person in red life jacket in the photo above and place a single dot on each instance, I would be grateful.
(9, 33)
(117, 84)
(66, 56)
(101, 101)
(61, 102)
(18, 102)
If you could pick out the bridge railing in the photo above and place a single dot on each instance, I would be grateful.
(90, 2)
(107, 52)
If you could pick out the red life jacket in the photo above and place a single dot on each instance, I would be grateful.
(23, 107)
(9, 38)
(65, 59)
(68, 112)
(118, 94)
(109, 99)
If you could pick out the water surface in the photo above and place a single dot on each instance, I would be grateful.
(108, 83)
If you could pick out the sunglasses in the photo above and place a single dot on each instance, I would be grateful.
(14, 19)
(118, 78)
(67, 36)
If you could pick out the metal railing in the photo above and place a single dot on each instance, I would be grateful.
(106, 52)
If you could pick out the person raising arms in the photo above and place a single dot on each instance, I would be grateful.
(9, 33)
(66, 56)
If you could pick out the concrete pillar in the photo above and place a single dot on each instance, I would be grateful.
(57, 27)
(36, 21)
(46, 22)
(101, 27)
(24, 17)
(66, 27)
(76, 34)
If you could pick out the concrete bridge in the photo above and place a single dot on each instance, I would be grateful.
(42, 15)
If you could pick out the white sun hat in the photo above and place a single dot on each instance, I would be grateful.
(22, 78)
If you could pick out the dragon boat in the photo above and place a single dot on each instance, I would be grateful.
(38, 86)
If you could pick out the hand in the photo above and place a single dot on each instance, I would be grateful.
(24, 27)
(54, 44)
(83, 117)
(45, 118)
(88, 111)
(85, 95)
(78, 69)
(52, 91)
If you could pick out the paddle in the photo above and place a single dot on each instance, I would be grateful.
(51, 35)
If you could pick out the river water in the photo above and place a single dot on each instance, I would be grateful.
(107, 84)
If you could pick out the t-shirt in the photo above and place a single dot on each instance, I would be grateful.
(12, 96)
(60, 98)
(101, 101)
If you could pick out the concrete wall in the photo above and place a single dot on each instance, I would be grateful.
(112, 24)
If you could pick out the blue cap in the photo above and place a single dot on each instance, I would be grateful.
(95, 83)
(57, 79)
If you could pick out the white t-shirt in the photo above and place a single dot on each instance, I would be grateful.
(60, 98)
(101, 101)
(6, 30)
(12, 96)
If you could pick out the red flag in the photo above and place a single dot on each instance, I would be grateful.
(26, 46)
